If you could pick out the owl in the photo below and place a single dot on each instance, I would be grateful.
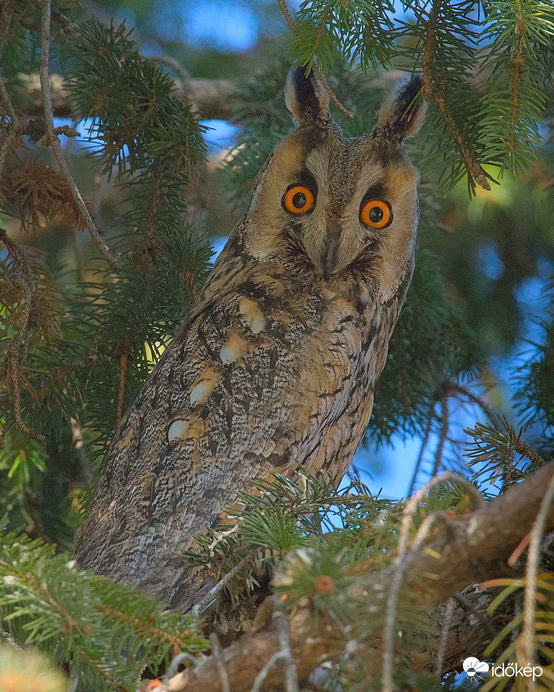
(274, 368)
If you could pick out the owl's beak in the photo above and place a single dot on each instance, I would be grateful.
(330, 253)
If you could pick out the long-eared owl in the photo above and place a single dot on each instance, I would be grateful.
(275, 367)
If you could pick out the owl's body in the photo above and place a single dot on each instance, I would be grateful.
(275, 368)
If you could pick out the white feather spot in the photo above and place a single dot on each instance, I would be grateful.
(227, 354)
(200, 393)
(257, 324)
(177, 429)
(233, 349)
(251, 315)
(204, 386)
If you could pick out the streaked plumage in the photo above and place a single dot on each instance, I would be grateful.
(276, 365)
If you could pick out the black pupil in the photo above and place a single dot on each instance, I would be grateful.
(299, 200)
(376, 214)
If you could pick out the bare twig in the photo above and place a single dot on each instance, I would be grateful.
(528, 634)
(464, 391)
(413, 503)
(282, 620)
(444, 637)
(443, 435)
(264, 672)
(424, 442)
(401, 565)
(403, 560)
(54, 142)
(283, 656)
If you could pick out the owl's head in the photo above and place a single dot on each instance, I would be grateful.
(347, 204)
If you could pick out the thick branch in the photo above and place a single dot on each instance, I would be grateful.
(465, 551)
(212, 98)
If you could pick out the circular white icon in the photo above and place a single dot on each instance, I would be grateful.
(473, 666)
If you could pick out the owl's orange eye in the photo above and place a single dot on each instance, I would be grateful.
(298, 199)
(376, 213)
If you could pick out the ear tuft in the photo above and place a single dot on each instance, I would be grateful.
(403, 113)
(305, 97)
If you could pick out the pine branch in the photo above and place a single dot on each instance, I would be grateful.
(516, 34)
(435, 91)
(469, 550)
(109, 633)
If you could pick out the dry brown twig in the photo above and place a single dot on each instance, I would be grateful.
(216, 648)
(283, 656)
(443, 434)
(444, 636)
(422, 448)
(404, 559)
(51, 139)
(531, 572)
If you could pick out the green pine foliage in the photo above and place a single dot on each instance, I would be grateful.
(446, 349)
(360, 31)
(107, 634)
(519, 56)
(113, 331)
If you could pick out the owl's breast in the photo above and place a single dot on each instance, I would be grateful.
(343, 360)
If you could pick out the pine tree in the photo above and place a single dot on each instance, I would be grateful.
(93, 287)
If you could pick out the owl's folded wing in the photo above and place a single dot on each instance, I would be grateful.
(232, 398)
